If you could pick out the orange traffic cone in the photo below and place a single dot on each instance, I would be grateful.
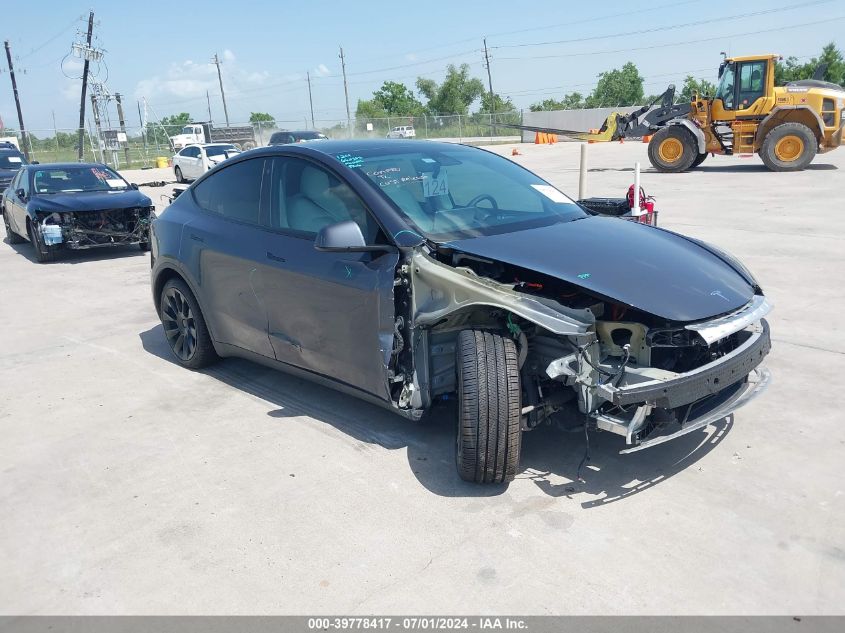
(537, 140)
(552, 139)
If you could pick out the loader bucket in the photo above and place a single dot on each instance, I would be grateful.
(606, 132)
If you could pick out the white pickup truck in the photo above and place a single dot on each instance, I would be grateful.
(242, 137)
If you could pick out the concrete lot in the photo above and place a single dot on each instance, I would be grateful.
(131, 485)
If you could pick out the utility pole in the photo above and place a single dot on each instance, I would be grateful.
(17, 102)
(311, 101)
(208, 103)
(96, 112)
(55, 132)
(490, 84)
(81, 136)
(122, 122)
(346, 93)
(216, 62)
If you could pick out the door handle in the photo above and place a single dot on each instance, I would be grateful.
(197, 238)
(275, 258)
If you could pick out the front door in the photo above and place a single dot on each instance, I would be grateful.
(330, 313)
(224, 251)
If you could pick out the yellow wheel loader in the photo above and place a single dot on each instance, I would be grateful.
(786, 125)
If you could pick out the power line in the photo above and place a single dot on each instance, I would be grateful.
(683, 43)
(671, 26)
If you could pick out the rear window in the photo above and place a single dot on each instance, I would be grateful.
(11, 160)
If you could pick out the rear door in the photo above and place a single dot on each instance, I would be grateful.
(223, 244)
(330, 313)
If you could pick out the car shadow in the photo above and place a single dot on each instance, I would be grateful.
(550, 456)
(79, 256)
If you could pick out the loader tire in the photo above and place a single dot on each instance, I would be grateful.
(789, 147)
(489, 436)
(698, 160)
(672, 149)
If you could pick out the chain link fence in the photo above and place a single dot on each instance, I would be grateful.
(142, 149)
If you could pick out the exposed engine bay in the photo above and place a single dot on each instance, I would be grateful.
(93, 229)
(584, 360)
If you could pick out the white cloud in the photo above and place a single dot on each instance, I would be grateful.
(187, 80)
(322, 70)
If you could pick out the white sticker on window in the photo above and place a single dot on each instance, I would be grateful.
(115, 182)
(435, 186)
(14, 159)
(553, 194)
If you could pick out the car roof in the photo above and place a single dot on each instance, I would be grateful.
(333, 146)
(65, 165)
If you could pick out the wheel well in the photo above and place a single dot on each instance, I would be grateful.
(804, 116)
(164, 276)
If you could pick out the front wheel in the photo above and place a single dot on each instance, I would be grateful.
(488, 435)
(179, 177)
(43, 253)
(184, 326)
(698, 160)
(672, 149)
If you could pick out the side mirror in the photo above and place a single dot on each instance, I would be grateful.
(35, 162)
(722, 69)
(133, 185)
(345, 237)
(21, 194)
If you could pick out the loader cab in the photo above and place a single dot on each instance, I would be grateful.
(746, 88)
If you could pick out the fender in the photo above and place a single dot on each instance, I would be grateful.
(696, 132)
(781, 111)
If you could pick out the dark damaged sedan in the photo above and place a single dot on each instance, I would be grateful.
(76, 206)
(410, 272)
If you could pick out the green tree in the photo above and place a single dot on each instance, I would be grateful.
(454, 96)
(496, 104)
(701, 87)
(792, 70)
(167, 126)
(397, 100)
(618, 87)
(266, 120)
(573, 101)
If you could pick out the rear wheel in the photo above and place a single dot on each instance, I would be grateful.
(184, 326)
(672, 149)
(488, 436)
(11, 236)
(789, 147)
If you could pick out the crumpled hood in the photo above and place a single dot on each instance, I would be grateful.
(650, 269)
(93, 201)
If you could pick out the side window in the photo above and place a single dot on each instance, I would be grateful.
(752, 77)
(24, 182)
(304, 198)
(234, 192)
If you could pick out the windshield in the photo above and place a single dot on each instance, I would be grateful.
(310, 136)
(462, 192)
(221, 150)
(11, 161)
(725, 92)
(188, 130)
(76, 179)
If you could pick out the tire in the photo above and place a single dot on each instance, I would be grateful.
(488, 435)
(181, 318)
(144, 246)
(672, 149)
(43, 253)
(179, 177)
(789, 147)
(698, 160)
(11, 236)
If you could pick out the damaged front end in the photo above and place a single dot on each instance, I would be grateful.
(584, 360)
(95, 229)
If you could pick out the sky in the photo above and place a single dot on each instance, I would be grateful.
(160, 52)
